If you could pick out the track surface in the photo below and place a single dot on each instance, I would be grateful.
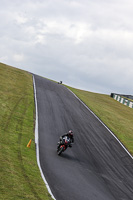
(96, 167)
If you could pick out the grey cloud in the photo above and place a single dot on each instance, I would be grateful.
(87, 44)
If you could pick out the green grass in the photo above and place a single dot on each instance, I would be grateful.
(19, 174)
(118, 117)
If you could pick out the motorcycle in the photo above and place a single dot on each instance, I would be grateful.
(66, 142)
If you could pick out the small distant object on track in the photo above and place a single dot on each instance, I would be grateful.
(60, 82)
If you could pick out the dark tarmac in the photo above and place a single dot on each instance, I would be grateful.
(96, 167)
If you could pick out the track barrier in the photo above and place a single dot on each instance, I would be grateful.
(124, 99)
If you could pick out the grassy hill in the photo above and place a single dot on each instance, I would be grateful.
(118, 117)
(19, 173)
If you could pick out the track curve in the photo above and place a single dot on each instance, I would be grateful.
(97, 167)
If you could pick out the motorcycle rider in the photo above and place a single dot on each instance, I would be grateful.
(69, 135)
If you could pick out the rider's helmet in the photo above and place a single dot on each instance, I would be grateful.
(70, 133)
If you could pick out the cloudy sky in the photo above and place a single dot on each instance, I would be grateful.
(88, 44)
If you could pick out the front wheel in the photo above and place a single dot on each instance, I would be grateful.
(60, 150)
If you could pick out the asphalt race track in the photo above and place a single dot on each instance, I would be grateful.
(96, 167)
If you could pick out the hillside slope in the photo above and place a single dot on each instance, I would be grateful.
(19, 173)
(118, 117)
(20, 176)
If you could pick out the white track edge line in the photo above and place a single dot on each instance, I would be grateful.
(37, 142)
(102, 123)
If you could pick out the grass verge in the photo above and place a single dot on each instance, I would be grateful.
(118, 117)
(19, 174)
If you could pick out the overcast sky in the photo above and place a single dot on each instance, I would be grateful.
(88, 44)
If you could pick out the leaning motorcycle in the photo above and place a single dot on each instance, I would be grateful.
(63, 145)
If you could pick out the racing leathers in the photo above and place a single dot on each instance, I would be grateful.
(70, 136)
